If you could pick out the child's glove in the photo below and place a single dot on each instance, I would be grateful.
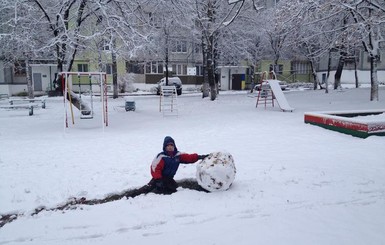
(200, 157)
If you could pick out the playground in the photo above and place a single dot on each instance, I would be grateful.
(296, 183)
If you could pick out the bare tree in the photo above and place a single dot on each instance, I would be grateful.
(212, 17)
(343, 24)
(226, 31)
(241, 43)
(19, 43)
(67, 28)
(369, 17)
(126, 28)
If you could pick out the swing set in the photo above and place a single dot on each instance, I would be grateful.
(84, 112)
(75, 99)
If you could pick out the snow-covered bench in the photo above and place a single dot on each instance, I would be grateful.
(28, 106)
(4, 96)
(16, 101)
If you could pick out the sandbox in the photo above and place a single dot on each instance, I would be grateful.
(362, 124)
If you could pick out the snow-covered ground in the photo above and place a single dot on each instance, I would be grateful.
(295, 183)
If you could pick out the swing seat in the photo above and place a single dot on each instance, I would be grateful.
(90, 116)
(85, 114)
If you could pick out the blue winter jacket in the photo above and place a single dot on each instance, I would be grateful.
(166, 164)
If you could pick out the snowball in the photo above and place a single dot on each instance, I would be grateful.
(216, 172)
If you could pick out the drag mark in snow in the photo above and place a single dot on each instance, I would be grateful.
(145, 226)
(73, 203)
(87, 237)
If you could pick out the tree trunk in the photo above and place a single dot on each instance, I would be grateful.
(355, 72)
(337, 76)
(373, 78)
(210, 61)
(211, 77)
(60, 64)
(276, 67)
(252, 78)
(114, 75)
(215, 62)
(328, 74)
(29, 80)
(314, 74)
(166, 65)
(166, 33)
(205, 85)
(210, 68)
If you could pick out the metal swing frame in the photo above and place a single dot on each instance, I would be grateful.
(67, 84)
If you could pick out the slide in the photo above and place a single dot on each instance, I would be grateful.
(279, 96)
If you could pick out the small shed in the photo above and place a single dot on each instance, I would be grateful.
(233, 77)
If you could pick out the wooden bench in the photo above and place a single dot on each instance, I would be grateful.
(13, 101)
(28, 106)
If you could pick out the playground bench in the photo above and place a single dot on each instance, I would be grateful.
(21, 106)
(13, 101)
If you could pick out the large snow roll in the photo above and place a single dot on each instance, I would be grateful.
(216, 172)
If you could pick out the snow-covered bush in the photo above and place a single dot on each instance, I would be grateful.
(216, 172)
(126, 83)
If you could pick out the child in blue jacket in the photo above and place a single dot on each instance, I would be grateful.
(166, 164)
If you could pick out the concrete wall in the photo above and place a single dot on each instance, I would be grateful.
(2, 79)
(363, 62)
(4, 89)
(47, 76)
(348, 77)
(18, 84)
(18, 88)
(12, 89)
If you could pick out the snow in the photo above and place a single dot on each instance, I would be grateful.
(295, 183)
(373, 115)
(372, 118)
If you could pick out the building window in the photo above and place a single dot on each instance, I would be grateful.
(134, 67)
(179, 47)
(82, 67)
(154, 67)
(199, 70)
(179, 69)
(300, 67)
(278, 69)
(20, 68)
(160, 68)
